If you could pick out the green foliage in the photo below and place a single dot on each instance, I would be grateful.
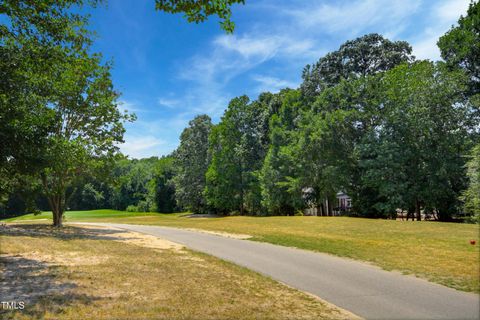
(132, 208)
(59, 111)
(237, 154)
(161, 189)
(414, 156)
(191, 164)
(471, 196)
(460, 47)
(363, 56)
(278, 196)
(36, 40)
(199, 10)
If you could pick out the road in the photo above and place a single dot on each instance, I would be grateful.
(360, 288)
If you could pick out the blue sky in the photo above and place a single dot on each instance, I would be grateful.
(168, 70)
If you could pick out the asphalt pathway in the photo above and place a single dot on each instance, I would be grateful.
(365, 290)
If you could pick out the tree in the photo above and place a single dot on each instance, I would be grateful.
(35, 37)
(363, 56)
(199, 10)
(279, 166)
(414, 156)
(161, 189)
(191, 163)
(132, 182)
(471, 196)
(237, 155)
(460, 47)
(323, 149)
(87, 129)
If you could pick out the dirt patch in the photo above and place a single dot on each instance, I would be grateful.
(223, 234)
(71, 258)
(136, 238)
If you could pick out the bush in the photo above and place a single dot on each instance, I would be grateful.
(142, 206)
(132, 208)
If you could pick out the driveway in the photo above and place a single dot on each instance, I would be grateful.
(363, 289)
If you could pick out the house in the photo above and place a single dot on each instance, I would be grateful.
(342, 204)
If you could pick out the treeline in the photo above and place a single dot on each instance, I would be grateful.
(143, 185)
(368, 119)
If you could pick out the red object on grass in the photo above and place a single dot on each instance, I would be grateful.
(472, 242)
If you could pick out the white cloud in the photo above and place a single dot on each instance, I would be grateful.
(441, 19)
(168, 102)
(137, 146)
(247, 46)
(451, 10)
(272, 84)
(352, 17)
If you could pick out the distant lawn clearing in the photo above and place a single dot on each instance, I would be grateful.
(439, 252)
(98, 273)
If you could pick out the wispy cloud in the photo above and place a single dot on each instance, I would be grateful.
(169, 102)
(140, 146)
(351, 17)
(272, 84)
(441, 18)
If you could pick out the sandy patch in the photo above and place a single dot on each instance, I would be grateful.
(223, 234)
(136, 238)
(71, 258)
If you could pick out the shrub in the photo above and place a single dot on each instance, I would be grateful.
(132, 208)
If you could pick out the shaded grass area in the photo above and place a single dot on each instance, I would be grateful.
(439, 252)
(84, 273)
(83, 215)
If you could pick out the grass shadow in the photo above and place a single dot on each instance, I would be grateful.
(63, 233)
(38, 286)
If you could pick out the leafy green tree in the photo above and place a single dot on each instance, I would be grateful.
(131, 182)
(161, 189)
(87, 129)
(360, 102)
(414, 156)
(199, 10)
(366, 55)
(35, 37)
(471, 196)
(237, 155)
(279, 166)
(323, 150)
(191, 164)
(460, 47)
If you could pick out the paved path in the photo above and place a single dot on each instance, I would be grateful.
(365, 290)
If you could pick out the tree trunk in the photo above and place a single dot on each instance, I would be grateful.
(319, 209)
(330, 207)
(56, 204)
(417, 210)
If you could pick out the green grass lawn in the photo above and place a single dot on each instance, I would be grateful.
(439, 252)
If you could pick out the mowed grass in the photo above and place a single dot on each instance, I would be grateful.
(438, 252)
(78, 273)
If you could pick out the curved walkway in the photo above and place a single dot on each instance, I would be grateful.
(363, 289)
